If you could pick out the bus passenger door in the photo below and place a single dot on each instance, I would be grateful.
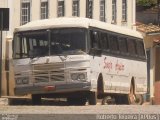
(95, 58)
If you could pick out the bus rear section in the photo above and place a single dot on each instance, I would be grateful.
(120, 70)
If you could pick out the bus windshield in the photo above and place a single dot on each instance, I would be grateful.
(68, 41)
(44, 43)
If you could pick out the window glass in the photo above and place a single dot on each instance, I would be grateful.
(140, 48)
(113, 43)
(131, 46)
(29, 44)
(102, 10)
(122, 45)
(75, 8)
(94, 35)
(104, 41)
(89, 8)
(114, 11)
(68, 41)
(124, 10)
(61, 8)
(25, 11)
(16, 49)
(44, 9)
(24, 47)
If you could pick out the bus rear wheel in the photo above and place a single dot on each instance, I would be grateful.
(135, 99)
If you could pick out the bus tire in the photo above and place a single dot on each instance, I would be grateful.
(107, 100)
(36, 99)
(92, 100)
(135, 99)
(139, 100)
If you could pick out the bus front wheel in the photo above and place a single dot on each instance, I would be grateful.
(92, 100)
(36, 99)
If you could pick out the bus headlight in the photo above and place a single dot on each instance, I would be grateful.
(82, 76)
(74, 76)
(78, 76)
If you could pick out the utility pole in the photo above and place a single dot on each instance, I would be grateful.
(158, 4)
(4, 26)
(1, 37)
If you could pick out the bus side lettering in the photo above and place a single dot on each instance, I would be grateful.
(107, 64)
(119, 66)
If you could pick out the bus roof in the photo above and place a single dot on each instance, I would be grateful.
(76, 22)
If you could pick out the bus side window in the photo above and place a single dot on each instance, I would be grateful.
(24, 51)
(140, 49)
(17, 48)
(113, 43)
(131, 47)
(122, 45)
(95, 43)
(104, 41)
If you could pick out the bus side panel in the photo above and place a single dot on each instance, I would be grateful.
(95, 70)
(140, 79)
(115, 73)
(118, 73)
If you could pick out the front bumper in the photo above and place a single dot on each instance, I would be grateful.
(59, 88)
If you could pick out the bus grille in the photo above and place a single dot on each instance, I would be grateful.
(48, 72)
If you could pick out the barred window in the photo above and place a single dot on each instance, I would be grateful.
(114, 11)
(75, 8)
(124, 10)
(89, 8)
(102, 10)
(44, 9)
(25, 11)
(60, 8)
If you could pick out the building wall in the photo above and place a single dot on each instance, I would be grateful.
(15, 11)
(35, 11)
(3, 3)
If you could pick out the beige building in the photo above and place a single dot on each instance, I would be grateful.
(151, 34)
(119, 12)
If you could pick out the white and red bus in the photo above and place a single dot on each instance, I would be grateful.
(79, 59)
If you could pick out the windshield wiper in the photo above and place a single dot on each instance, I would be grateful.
(77, 51)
